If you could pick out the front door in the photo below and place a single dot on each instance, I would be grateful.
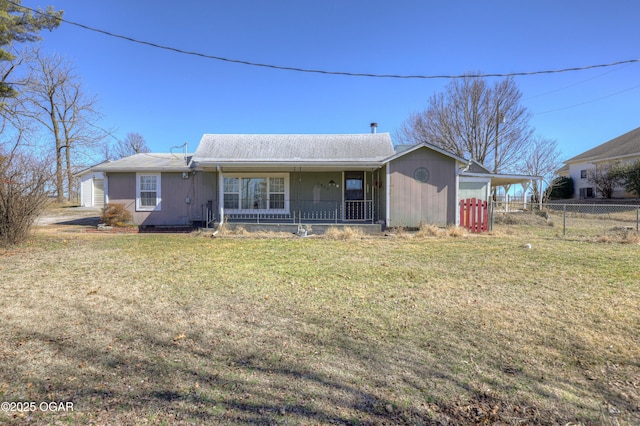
(354, 205)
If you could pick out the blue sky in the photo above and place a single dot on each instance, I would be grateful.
(171, 98)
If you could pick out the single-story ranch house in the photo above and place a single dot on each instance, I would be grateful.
(304, 178)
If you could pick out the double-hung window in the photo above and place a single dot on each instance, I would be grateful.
(257, 193)
(148, 196)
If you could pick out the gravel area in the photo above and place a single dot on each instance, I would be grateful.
(88, 216)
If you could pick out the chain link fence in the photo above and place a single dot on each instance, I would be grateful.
(594, 219)
(578, 218)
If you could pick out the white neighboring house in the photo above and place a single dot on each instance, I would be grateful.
(624, 148)
(92, 188)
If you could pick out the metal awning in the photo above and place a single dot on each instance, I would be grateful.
(498, 179)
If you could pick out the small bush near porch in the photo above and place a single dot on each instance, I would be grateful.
(517, 327)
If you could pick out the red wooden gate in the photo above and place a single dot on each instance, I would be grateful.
(474, 215)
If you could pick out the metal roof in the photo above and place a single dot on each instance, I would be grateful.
(148, 162)
(624, 146)
(293, 148)
(499, 179)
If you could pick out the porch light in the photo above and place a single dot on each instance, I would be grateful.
(333, 183)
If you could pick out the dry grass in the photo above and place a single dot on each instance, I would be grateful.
(429, 230)
(343, 233)
(171, 329)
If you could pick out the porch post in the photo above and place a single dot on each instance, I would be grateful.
(387, 185)
(540, 197)
(221, 194)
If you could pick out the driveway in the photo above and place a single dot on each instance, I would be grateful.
(83, 216)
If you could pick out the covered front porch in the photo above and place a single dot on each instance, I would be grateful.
(309, 211)
(295, 197)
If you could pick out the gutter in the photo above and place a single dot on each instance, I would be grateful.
(280, 164)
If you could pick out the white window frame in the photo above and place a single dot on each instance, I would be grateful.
(139, 206)
(267, 210)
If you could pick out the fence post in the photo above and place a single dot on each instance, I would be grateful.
(493, 208)
(564, 220)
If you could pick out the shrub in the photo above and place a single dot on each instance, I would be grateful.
(115, 214)
(23, 195)
(561, 188)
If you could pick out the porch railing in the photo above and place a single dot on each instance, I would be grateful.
(304, 211)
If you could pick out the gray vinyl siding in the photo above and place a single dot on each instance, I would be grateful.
(182, 199)
(310, 194)
(413, 202)
(203, 191)
(121, 189)
(311, 191)
(381, 193)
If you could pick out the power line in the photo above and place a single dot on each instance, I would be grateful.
(588, 102)
(573, 84)
(318, 71)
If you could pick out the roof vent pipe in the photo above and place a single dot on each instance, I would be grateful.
(374, 127)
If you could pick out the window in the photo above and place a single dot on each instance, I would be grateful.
(587, 193)
(256, 193)
(231, 193)
(276, 193)
(148, 192)
(583, 174)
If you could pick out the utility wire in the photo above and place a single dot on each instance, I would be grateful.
(318, 71)
(574, 84)
(588, 102)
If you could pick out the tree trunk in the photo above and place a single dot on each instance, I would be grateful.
(69, 173)
(59, 147)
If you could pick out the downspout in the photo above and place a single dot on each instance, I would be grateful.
(105, 188)
(220, 200)
(456, 208)
(387, 191)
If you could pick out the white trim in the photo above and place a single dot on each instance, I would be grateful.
(423, 145)
(474, 179)
(342, 203)
(221, 193)
(287, 193)
(106, 189)
(158, 205)
(457, 207)
(387, 197)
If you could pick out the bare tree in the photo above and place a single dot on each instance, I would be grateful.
(473, 119)
(605, 177)
(133, 144)
(55, 98)
(542, 158)
(23, 179)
